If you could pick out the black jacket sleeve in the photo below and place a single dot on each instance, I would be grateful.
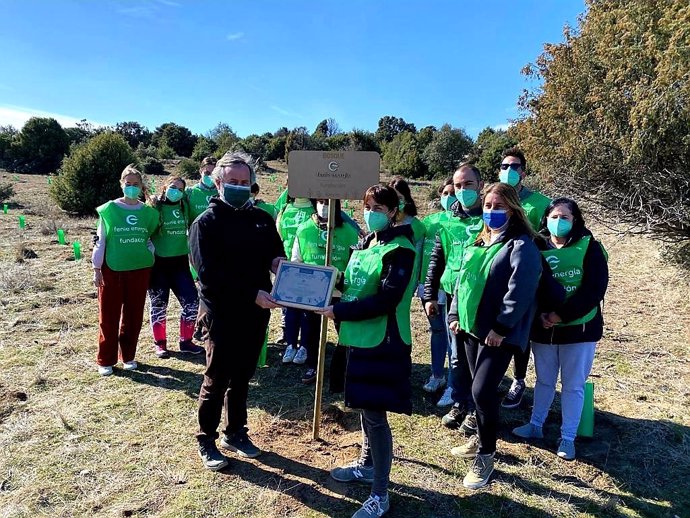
(437, 264)
(398, 266)
(550, 292)
(595, 281)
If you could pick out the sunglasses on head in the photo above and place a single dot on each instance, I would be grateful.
(514, 165)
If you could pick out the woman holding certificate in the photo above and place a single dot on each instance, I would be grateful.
(375, 326)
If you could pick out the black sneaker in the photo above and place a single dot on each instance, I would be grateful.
(188, 347)
(240, 443)
(309, 376)
(453, 419)
(210, 456)
(469, 424)
(514, 396)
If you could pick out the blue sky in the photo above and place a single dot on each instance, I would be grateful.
(259, 65)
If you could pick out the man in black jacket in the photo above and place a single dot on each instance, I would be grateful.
(233, 247)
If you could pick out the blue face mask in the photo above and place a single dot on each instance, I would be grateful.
(375, 221)
(509, 176)
(235, 195)
(559, 227)
(495, 218)
(173, 194)
(467, 197)
(131, 191)
(447, 201)
(207, 181)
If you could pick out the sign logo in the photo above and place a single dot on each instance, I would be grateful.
(176, 213)
(553, 261)
(333, 166)
(132, 219)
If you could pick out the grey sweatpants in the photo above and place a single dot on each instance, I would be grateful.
(574, 361)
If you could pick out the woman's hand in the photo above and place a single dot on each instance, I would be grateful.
(493, 339)
(454, 327)
(431, 308)
(97, 277)
(326, 312)
(548, 320)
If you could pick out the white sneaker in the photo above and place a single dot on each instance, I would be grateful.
(130, 366)
(300, 356)
(445, 400)
(289, 354)
(434, 384)
(105, 371)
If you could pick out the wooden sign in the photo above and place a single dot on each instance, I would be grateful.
(344, 175)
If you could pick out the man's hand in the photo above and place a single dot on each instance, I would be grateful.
(264, 300)
(493, 339)
(454, 327)
(97, 278)
(431, 308)
(275, 263)
(326, 312)
(548, 320)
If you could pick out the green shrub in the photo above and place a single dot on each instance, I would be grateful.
(6, 191)
(189, 168)
(152, 166)
(143, 152)
(90, 176)
(165, 152)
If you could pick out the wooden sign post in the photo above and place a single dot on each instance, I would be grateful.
(330, 175)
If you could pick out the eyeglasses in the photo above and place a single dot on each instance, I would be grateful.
(514, 165)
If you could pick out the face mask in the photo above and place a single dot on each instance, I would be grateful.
(495, 219)
(302, 203)
(401, 205)
(509, 176)
(173, 194)
(468, 197)
(559, 227)
(235, 195)
(447, 200)
(131, 192)
(375, 221)
(207, 181)
(322, 210)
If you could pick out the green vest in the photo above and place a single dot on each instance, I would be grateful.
(432, 225)
(291, 218)
(127, 233)
(455, 235)
(281, 201)
(198, 199)
(312, 244)
(535, 206)
(362, 279)
(170, 240)
(566, 266)
(476, 264)
(268, 207)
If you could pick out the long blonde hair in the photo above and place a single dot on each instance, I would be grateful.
(518, 219)
(132, 170)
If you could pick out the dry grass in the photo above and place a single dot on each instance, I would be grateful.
(74, 444)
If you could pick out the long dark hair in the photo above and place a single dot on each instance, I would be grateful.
(578, 219)
(400, 184)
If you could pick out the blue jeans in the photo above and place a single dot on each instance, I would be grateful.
(460, 375)
(440, 346)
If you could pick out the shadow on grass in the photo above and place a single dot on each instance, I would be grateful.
(165, 377)
(286, 475)
(649, 460)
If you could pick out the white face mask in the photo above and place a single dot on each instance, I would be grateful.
(322, 210)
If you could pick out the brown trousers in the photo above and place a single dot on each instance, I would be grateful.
(120, 313)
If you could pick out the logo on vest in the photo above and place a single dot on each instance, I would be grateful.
(176, 213)
(553, 261)
(208, 199)
(132, 219)
(323, 235)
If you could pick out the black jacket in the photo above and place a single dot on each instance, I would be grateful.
(589, 295)
(232, 251)
(378, 378)
(437, 262)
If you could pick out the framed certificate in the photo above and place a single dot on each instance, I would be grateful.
(304, 286)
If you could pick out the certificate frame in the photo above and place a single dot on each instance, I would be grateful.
(293, 288)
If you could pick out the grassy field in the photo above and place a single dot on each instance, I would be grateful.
(75, 444)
